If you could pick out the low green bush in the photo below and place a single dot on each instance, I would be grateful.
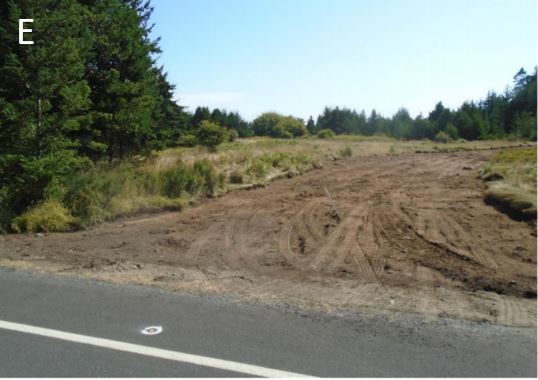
(236, 177)
(201, 178)
(187, 140)
(47, 216)
(175, 181)
(442, 137)
(325, 134)
(257, 168)
(231, 135)
(276, 125)
(346, 152)
(106, 192)
(211, 135)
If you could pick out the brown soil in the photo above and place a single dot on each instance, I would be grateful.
(407, 233)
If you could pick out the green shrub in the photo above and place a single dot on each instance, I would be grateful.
(346, 152)
(175, 181)
(325, 134)
(280, 131)
(525, 125)
(210, 135)
(236, 177)
(148, 182)
(257, 168)
(87, 204)
(279, 126)
(201, 178)
(277, 159)
(281, 160)
(452, 131)
(442, 137)
(24, 180)
(207, 176)
(265, 124)
(231, 135)
(520, 156)
(289, 126)
(47, 216)
(86, 197)
(187, 140)
(107, 192)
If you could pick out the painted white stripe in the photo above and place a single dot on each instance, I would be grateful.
(149, 351)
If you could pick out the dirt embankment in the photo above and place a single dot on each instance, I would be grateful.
(407, 233)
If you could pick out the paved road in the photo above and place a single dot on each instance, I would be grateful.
(262, 337)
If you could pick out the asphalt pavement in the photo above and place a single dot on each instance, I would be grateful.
(64, 326)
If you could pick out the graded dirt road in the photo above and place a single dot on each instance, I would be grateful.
(405, 233)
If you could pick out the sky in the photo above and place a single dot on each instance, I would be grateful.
(298, 56)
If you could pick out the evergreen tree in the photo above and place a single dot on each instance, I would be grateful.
(372, 124)
(234, 121)
(311, 126)
(522, 106)
(401, 124)
(470, 122)
(422, 128)
(44, 98)
(361, 121)
(494, 109)
(341, 121)
(171, 121)
(440, 117)
(124, 86)
(200, 114)
(217, 116)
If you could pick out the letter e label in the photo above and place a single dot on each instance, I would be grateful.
(22, 31)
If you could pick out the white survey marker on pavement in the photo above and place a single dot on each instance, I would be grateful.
(149, 351)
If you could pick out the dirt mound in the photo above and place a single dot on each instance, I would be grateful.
(402, 233)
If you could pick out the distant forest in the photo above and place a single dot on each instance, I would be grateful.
(89, 89)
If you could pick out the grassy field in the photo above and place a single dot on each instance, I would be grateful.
(173, 178)
(511, 177)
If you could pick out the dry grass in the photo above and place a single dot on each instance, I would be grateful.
(260, 159)
(513, 187)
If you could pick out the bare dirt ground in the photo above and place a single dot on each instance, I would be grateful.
(406, 233)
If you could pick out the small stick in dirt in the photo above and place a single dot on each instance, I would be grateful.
(334, 212)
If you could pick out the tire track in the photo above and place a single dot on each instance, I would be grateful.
(512, 312)
(303, 224)
(310, 221)
(369, 238)
(195, 251)
(441, 231)
(284, 245)
(341, 243)
(245, 255)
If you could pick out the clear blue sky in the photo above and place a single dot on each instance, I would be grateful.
(297, 56)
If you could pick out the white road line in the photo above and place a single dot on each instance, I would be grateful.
(149, 351)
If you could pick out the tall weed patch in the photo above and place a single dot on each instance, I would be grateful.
(105, 192)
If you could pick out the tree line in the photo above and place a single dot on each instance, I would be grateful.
(512, 113)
